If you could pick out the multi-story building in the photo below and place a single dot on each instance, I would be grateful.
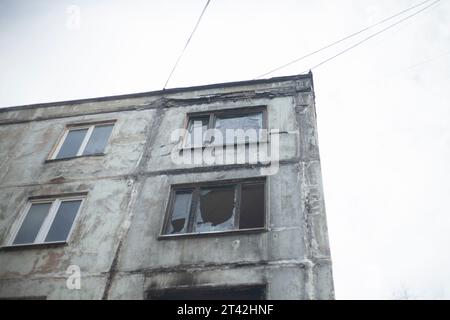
(157, 196)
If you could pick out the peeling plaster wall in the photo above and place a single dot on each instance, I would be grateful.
(116, 239)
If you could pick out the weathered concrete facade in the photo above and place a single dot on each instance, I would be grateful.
(116, 240)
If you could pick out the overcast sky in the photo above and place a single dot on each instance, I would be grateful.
(383, 108)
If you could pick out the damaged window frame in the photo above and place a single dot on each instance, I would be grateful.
(47, 223)
(90, 127)
(195, 202)
(226, 113)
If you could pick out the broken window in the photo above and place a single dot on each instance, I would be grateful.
(249, 122)
(216, 207)
(47, 221)
(180, 215)
(84, 140)
(248, 127)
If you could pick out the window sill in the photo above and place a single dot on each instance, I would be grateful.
(97, 155)
(213, 234)
(34, 246)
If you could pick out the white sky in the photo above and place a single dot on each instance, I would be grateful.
(383, 108)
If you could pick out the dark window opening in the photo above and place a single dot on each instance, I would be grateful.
(217, 207)
(232, 293)
(251, 208)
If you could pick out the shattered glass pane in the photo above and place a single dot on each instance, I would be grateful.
(252, 214)
(180, 213)
(244, 122)
(32, 223)
(98, 140)
(196, 132)
(72, 143)
(216, 209)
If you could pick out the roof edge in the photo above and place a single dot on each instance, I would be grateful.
(158, 92)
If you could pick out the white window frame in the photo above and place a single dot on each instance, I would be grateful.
(86, 139)
(48, 221)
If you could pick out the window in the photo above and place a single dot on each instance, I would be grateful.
(83, 140)
(47, 221)
(256, 292)
(250, 120)
(216, 207)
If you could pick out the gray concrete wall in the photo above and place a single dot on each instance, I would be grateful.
(116, 239)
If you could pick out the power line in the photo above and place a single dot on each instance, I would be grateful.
(343, 39)
(187, 43)
(374, 35)
(419, 64)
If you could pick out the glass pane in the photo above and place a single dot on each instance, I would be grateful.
(32, 223)
(196, 131)
(215, 211)
(63, 221)
(251, 123)
(98, 140)
(72, 143)
(252, 213)
(180, 213)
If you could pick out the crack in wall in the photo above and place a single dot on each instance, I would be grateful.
(137, 186)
